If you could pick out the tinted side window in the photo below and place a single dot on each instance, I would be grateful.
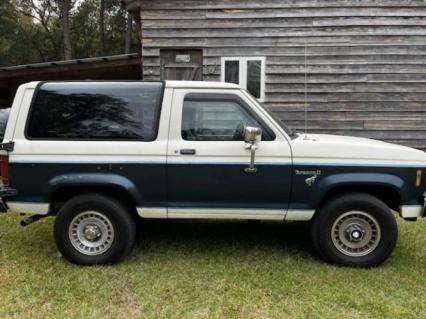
(96, 110)
(216, 120)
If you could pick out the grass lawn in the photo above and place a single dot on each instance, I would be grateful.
(208, 270)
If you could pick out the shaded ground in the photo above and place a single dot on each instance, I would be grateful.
(208, 270)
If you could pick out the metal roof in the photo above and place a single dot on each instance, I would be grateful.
(69, 62)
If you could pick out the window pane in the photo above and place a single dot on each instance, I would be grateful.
(232, 72)
(254, 69)
(96, 110)
(214, 121)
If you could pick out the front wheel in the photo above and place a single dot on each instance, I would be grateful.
(356, 230)
(94, 229)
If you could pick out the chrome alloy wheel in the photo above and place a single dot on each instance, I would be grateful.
(91, 233)
(356, 233)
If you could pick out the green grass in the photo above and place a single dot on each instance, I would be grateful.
(208, 270)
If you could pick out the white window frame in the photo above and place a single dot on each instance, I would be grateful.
(243, 72)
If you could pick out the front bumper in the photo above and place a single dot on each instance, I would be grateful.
(5, 192)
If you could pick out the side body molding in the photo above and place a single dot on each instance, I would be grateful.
(92, 180)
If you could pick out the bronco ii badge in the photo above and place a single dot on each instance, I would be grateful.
(310, 180)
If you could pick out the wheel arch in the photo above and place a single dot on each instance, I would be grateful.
(64, 187)
(388, 188)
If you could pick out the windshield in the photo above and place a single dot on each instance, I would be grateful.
(288, 130)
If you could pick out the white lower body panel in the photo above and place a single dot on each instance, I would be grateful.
(218, 213)
(215, 213)
(28, 208)
(411, 211)
(300, 214)
(190, 213)
(152, 212)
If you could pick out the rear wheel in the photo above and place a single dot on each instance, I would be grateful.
(356, 230)
(94, 229)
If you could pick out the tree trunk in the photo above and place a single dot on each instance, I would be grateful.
(128, 33)
(102, 26)
(65, 8)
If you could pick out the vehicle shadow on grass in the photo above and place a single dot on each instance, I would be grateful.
(218, 236)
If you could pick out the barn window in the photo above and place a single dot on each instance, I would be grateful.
(248, 72)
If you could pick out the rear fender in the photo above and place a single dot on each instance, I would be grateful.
(91, 180)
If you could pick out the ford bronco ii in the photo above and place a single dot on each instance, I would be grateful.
(97, 155)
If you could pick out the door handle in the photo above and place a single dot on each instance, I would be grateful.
(187, 152)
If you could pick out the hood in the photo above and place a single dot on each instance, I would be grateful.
(336, 147)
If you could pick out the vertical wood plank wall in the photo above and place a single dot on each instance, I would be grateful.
(366, 58)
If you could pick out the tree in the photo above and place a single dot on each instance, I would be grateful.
(102, 26)
(38, 20)
(65, 13)
(48, 30)
(128, 40)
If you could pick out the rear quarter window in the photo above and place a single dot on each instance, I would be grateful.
(96, 111)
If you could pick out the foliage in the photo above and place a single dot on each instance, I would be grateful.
(20, 38)
(185, 269)
(31, 30)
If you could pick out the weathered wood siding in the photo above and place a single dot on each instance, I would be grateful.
(366, 58)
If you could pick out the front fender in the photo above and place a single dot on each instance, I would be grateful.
(305, 196)
(91, 180)
(360, 179)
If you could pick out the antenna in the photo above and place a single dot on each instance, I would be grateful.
(306, 94)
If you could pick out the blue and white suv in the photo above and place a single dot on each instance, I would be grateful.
(98, 155)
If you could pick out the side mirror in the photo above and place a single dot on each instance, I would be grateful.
(252, 135)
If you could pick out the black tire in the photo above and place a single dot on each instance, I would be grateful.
(361, 221)
(110, 221)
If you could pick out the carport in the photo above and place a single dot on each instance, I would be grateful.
(116, 67)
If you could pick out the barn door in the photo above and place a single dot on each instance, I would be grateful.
(181, 65)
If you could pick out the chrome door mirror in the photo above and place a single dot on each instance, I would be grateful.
(252, 137)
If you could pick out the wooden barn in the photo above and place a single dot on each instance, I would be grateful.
(365, 59)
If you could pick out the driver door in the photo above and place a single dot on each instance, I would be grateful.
(206, 159)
